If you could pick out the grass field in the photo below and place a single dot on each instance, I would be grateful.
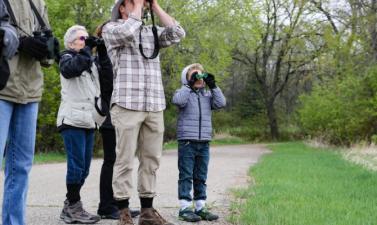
(301, 185)
(55, 157)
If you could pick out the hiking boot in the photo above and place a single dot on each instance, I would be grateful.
(206, 215)
(76, 214)
(150, 216)
(188, 215)
(125, 217)
(64, 210)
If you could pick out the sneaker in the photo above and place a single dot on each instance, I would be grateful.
(64, 210)
(150, 216)
(76, 214)
(125, 217)
(188, 215)
(206, 215)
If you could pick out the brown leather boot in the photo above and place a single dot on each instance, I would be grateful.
(125, 217)
(150, 216)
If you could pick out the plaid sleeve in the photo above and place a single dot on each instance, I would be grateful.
(171, 35)
(120, 33)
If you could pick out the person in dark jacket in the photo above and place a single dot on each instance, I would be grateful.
(8, 44)
(80, 87)
(194, 131)
(107, 207)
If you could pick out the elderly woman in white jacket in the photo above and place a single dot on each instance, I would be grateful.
(80, 86)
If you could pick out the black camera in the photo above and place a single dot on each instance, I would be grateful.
(50, 41)
(99, 41)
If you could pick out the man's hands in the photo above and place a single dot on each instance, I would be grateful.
(34, 46)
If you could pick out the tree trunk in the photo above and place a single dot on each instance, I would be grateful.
(271, 113)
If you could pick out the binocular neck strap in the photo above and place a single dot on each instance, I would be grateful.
(13, 20)
(39, 17)
(155, 36)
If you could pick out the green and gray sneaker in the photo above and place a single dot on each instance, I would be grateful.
(188, 215)
(206, 215)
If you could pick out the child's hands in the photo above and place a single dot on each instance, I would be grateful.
(210, 81)
(192, 80)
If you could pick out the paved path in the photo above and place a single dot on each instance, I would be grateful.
(228, 169)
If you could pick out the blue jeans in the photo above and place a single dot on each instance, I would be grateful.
(78, 144)
(18, 124)
(193, 159)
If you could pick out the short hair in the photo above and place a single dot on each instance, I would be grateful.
(70, 35)
(195, 66)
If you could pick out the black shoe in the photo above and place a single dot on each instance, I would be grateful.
(111, 216)
(134, 212)
(115, 215)
(188, 215)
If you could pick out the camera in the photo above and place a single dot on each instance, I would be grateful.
(50, 41)
(2, 34)
(99, 41)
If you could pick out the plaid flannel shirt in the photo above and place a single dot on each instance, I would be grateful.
(137, 81)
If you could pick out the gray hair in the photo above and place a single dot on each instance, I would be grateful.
(70, 35)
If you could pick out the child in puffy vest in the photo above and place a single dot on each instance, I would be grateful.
(194, 131)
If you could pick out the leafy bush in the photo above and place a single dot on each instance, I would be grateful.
(344, 111)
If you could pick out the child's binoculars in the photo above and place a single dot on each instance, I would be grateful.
(200, 75)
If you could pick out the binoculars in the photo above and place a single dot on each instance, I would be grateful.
(199, 76)
(49, 59)
(99, 41)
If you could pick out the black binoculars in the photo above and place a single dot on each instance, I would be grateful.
(49, 59)
(99, 41)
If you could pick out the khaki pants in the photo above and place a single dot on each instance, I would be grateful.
(141, 134)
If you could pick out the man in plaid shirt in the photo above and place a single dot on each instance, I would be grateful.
(138, 102)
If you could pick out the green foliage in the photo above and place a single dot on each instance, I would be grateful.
(50, 157)
(48, 139)
(297, 184)
(344, 110)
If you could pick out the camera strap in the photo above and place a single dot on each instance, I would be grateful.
(155, 36)
(14, 20)
(39, 17)
(11, 14)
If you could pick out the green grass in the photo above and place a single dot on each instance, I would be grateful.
(56, 157)
(297, 184)
(215, 142)
(51, 157)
